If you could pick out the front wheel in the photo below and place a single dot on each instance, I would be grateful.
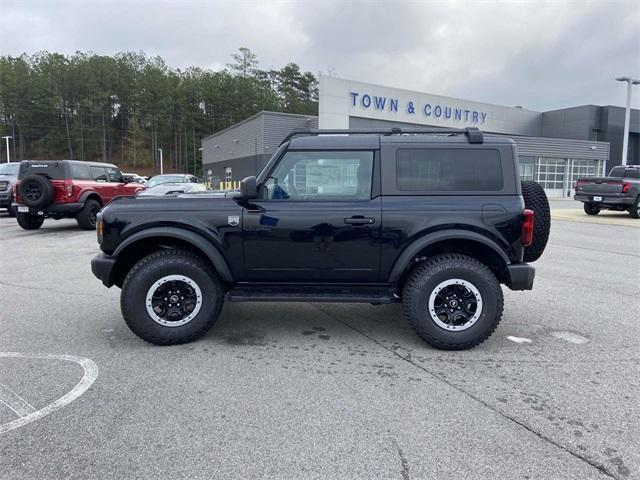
(591, 209)
(28, 221)
(452, 301)
(171, 297)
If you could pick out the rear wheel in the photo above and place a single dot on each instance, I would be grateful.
(634, 210)
(87, 217)
(10, 209)
(28, 221)
(535, 199)
(171, 297)
(591, 208)
(452, 301)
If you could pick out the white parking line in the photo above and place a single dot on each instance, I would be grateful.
(89, 376)
(15, 402)
(519, 339)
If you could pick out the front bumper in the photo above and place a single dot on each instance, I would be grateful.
(521, 276)
(102, 267)
(54, 209)
(606, 199)
(5, 199)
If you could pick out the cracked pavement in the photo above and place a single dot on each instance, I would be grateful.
(326, 390)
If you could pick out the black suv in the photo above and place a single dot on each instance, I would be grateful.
(434, 219)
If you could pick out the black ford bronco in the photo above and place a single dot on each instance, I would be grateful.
(433, 219)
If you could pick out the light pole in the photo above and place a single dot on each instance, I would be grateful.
(6, 138)
(194, 162)
(627, 113)
(160, 150)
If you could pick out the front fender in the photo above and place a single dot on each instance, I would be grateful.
(195, 239)
(410, 252)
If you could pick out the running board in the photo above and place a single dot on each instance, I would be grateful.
(311, 294)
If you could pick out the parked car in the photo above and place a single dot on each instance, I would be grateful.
(8, 178)
(172, 189)
(66, 189)
(619, 191)
(135, 178)
(436, 220)
(171, 178)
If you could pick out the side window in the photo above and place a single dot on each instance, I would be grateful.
(99, 174)
(114, 175)
(448, 169)
(193, 180)
(80, 171)
(322, 176)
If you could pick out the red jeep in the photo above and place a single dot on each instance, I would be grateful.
(66, 189)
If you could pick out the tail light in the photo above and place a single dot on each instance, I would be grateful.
(14, 190)
(626, 187)
(527, 228)
(68, 188)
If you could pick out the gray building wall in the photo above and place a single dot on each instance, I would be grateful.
(248, 145)
(590, 122)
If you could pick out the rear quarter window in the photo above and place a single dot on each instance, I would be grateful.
(80, 171)
(448, 169)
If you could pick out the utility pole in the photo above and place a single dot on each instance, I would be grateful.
(627, 113)
(6, 138)
(160, 150)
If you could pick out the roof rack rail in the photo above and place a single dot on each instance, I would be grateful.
(473, 134)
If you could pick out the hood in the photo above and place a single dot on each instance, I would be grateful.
(169, 203)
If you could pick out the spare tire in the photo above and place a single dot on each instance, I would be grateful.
(36, 191)
(535, 199)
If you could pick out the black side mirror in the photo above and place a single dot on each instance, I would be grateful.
(248, 188)
(126, 179)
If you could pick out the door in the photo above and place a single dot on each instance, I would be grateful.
(316, 220)
(116, 185)
(101, 182)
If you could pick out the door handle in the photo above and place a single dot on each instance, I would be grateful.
(359, 220)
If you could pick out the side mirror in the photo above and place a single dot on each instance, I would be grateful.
(126, 179)
(248, 188)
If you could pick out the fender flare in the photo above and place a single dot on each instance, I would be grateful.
(414, 247)
(195, 239)
(84, 195)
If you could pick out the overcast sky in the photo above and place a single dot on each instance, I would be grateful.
(534, 54)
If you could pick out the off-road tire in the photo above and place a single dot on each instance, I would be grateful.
(427, 275)
(591, 209)
(36, 191)
(86, 217)
(156, 266)
(535, 199)
(634, 210)
(28, 221)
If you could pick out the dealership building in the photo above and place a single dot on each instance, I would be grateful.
(554, 147)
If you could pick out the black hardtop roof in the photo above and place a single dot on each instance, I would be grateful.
(364, 139)
(93, 164)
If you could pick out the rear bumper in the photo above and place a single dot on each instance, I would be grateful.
(54, 209)
(606, 200)
(521, 276)
(102, 267)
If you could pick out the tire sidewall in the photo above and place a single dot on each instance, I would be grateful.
(84, 216)
(490, 305)
(134, 294)
(28, 221)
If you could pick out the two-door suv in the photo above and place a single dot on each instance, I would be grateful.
(434, 219)
(67, 189)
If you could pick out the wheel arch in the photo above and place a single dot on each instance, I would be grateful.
(147, 241)
(465, 242)
(91, 195)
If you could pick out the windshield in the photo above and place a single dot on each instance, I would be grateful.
(9, 168)
(165, 179)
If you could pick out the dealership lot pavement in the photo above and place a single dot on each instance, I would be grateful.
(321, 390)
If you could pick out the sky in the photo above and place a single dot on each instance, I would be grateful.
(538, 55)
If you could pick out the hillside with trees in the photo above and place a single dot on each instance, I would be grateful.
(123, 108)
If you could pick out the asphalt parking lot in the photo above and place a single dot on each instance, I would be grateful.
(321, 390)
